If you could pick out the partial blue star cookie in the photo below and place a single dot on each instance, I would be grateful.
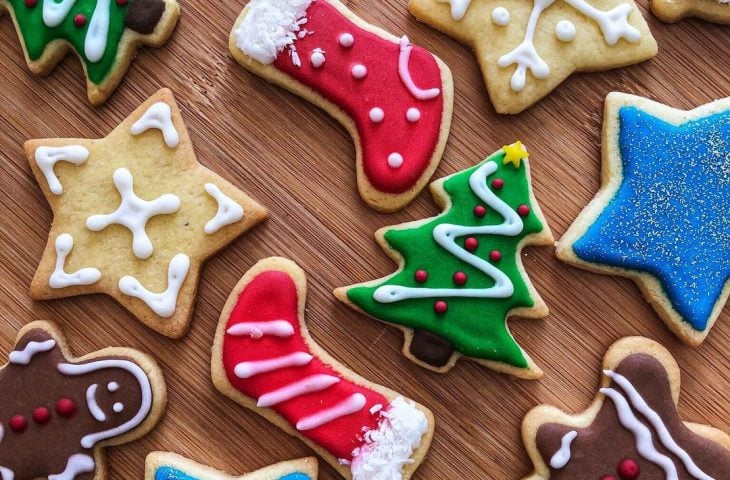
(662, 215)
(170, 466)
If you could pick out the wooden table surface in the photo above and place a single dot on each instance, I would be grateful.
(298, 162)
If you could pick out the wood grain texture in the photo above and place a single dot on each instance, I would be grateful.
(299, 163)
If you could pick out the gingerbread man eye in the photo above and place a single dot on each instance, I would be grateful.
(118, 407)
(112, 386)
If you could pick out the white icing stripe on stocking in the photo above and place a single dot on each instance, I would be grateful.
(24, 356)
(614, 23)
(446, 235)
(276, 328)
(354, 403)
(158, 116)
(76, 465)
(405, 73)
(310, 384)
(6, 474)
(562, 456)
(59, 278)
(256, 367)
(96, 35)
(163, 303)
(93, 405)
(458, 8)
(47, 157)
(644, 437)
(92, 439)
(638, 402)
(228, 210)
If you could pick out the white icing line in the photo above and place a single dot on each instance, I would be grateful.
(256, 367)
(2, 435)
(6, 474)
(562, 456)
(354, 403)
(91, 402)
(614, 23)
(405, 73)
(59, 278)
(310, 384)
(134, 213)
(276, 328)
(446, 235)
(458, 8)
(92, 439)
(75, 465)
(24, 357)
(162, 303)
(47, 157)
(228, 210)
(98, 31)
(158, 116)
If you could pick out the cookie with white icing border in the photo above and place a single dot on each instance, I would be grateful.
(527, 48)
(631, 431)
(394, 98)
(170, 466)
(135, 216)
(60, 412)
(104, 35)
(265, 360)
(717, 11)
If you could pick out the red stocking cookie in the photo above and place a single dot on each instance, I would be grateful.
(59, 411)
(395, 99)
(264, 359)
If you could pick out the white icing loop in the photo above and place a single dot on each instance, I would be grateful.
(98, 31)
(256, 367)
(134, 213)
(47, 157)
(93, 405)
(405, 73)
(59, 278)
(228, 210)
(275, 328)
(158, 116)
(352, 404)
(562, 456)
(75, 465)
(458, 8)
(310, 384)
(24, 357)
(163, 303)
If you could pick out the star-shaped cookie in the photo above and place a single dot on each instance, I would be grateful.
(717, 11)
(170, 466)
(631, 431)
(527, 48)
(660, 217)
(135, 215)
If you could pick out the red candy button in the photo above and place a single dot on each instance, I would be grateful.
(122, 3)
(18, 423)
(79, 20)
(31, 3)
(495, 255)
(480, 211)
(421, 276)
(471, 244)
(65, 407)
(628, 469)
(440, 307)
(460, 278)
(607, 477)
(41, 415)
(497, 184)
(523, 210)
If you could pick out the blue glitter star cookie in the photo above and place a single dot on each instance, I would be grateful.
(662, 215)
(170, 466)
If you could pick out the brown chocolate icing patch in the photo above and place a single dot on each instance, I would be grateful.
(598, 449)
(430, 348)
(143, 15)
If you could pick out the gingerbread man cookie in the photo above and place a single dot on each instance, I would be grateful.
(632, 431)
(135, 216)
(264, 359)
(104, 34)
(717, 11)
(169, 466)
(60, 412)
(394, 98)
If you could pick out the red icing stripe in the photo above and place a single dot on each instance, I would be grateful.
(272, 295)
(381, 88)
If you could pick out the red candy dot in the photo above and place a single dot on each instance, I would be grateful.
(523, 210)
(440, 307)
(41, 415)
(480, 211)
(31, 3)
(79, 20)
(18, 423)
(497, 184)
(460, 278)
(122, 3)
(421, 276)
(471, 244)
(65, 407)
(628, 469)
(607, 477)
(495, 255)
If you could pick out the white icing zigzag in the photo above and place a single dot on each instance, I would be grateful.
(228, 210)
(163, 303)
(158, 116)
(47, 157)
(59, 278)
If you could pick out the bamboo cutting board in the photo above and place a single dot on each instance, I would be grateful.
(299, 163)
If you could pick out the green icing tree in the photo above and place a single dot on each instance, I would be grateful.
(460, 273)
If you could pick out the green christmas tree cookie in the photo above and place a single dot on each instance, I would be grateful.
(460, 275)
(104, 34)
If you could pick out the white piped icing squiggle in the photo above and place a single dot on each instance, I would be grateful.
(24, 356)
(228, 210)
(75, 465)
(158, 116)
(163, 303)
(47, 157)
(59, 278)
(562, 456)
(458, 8)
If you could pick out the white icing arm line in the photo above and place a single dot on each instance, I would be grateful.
(228, 210)
(163, 303)
(75, 466)
(614, 23)
(159, 116)
(59, 278)
(47, 157)
(405, 73)
(562, 456)
(24, 357)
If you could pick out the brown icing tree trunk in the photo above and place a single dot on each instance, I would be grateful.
(430, 348)
(144, 15)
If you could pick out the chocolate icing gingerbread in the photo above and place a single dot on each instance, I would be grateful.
(57, 412)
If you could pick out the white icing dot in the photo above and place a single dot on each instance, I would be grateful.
(346, 40)
(317, 58)
(359, 71)
(500, 16)
(395, 160)
(376, 115)
(565, 31)
(413, 115)
(112, 386)
(118, 407)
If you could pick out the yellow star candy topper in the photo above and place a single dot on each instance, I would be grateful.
(514, 154)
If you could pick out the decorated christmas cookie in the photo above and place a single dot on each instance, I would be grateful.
(631, 431)
(660, 217)
(460, 274)
(527, 48)
(264, 359)
(394, 98)
(671, 11)
(135, 215)
(60, 412)
(105, 35)
(169, 466)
